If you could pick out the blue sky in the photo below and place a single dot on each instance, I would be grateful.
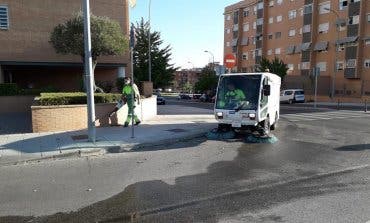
(189, 26)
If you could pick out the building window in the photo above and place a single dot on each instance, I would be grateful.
(307, 9)
(301, 11)
(299, 66)
(254, 40)
(343, 4)
(260, 5)
(290, 67)
(324, 28)
(4, 17)
(292, 14)
(279, 2)
(351, 63)
(259, 52)
(246, 12)
(324, 8)
(367, 63)
(342, 27)
(254, 10)
(292, 32)
(368, 17)
(235, 49)
(270, 36)
(269, 52)
(277, 51)
(300, 31)
(227, 31)
(367, 42)
(340, 65)
(279, 18)
(228, 17)
(253, 54)
(321, 66)
(306, 29)
(246, 27)
(271, 3)
(254, 25)
(245, 56)
(235, 34)
(277, 35)
(271, 20)
(236, 17)
(305, 66)
(227, 44)
(259, 22)
(353, 20)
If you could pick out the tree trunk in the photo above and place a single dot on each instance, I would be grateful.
(96, 88)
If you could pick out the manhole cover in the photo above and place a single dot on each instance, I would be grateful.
(176, 130)
(79, 137)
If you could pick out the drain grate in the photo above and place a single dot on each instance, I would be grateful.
(79, 137)
(176, 130)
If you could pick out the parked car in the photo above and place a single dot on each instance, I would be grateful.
(292, 96)
(183, 96)
(160, 99)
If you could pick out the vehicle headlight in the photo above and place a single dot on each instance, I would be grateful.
(219, 115)
(252, 116)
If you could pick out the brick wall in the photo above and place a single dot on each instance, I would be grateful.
(74, 117)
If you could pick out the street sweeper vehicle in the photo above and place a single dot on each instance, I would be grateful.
(248, 101)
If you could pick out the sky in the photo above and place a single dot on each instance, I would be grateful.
(189, 26)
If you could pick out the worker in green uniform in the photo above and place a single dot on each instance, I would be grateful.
(234, 96)
(131, 94)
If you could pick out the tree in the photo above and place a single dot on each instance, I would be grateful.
(208, 80)
(162, 70)
(276, 66)
(187, 87)
(107, 38)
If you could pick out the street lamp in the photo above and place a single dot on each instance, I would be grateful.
(191, 64)
(149, 43)
(213, 58)
(336, 52)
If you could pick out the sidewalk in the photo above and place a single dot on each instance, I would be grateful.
(161, 130)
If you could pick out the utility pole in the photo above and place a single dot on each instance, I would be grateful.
(89, 75)
(132, 45)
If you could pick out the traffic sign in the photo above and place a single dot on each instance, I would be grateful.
(229, 61)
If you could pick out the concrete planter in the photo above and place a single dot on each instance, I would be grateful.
(16, 104)
(74, 117)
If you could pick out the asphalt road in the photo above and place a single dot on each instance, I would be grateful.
(318, 171)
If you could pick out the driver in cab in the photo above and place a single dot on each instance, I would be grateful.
(233, 97)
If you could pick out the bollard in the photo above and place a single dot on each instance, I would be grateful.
(365, 105)
(338, 104)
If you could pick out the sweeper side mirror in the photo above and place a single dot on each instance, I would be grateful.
(267, 90)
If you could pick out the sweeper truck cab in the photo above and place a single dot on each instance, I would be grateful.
(248, 101)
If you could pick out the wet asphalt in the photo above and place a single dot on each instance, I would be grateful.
(318, 171)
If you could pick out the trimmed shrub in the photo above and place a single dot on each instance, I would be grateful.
(9, 89)
(48, 99)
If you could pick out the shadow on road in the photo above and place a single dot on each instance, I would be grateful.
(354, 148)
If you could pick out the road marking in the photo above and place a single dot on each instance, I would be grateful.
(325, 115)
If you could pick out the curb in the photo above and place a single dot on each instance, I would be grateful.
(98, 151)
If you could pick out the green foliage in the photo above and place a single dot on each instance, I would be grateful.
(207, 81)
(47, 99)
(188, 87)
(107, 37)
(162, 70)
(275, 66)
(9, 89)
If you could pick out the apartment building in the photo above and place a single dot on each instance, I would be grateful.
(333, 35)
(185, 77)
(28, 59)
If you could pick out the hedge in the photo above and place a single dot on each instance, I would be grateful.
(48, 99)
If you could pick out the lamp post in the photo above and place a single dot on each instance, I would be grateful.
(89, 75)
(191, 64)
(336, 53)
(149, 43)
(213, 58)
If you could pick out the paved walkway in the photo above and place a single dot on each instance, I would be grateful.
(162, 129)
